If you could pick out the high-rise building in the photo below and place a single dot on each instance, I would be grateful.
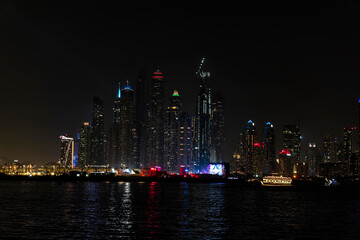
(237, 164)
(84, 146)
(202, 131)
(249, 135)
(66, 151)
(292, 141)
(113, 134)
(172, 133)
(330, 147)
(348, 149)
(312, 160)
(142, 103)
(76, 148)
(185, 140)
(127, 135)
(286, 163)
(217, 128)
(270, 164)
(156, 115)
(97, 152)
(258, 159)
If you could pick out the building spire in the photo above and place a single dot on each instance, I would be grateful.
(118, 95)
(127, 86)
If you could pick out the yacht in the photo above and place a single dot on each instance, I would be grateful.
(276, 181)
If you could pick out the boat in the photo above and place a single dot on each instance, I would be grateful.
(276, 181)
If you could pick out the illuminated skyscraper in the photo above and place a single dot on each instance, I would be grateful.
(292, 141)
(312, 160)
(113, 135)
(217, 128)
(84, 146)
(142, 103)
(156, 115)
(237, 164)
(202, 131)
(270, 164)
(66, 151)
(97, 152)
(330, 146)
(172, 133)
(348, 149)
(249, 135)
(185, 140)
(127, 133)
(286, 163)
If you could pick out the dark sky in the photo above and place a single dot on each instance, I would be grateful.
(286, 63)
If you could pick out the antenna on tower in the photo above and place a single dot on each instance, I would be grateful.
(200, 67)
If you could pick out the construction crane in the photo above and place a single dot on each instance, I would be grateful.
(70, 141)
(200, 67)
(200, 72)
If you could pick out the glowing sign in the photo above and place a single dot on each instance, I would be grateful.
(216, 169)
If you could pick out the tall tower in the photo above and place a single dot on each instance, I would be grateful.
(185, 140)
(66, 151)
(172, 133)
(84, 146)
(330, 147)
(312, 160)
(113, 135)
(348, 149)
(249, 135)
(156, 115)
(142, 103)
(97, 156)
(292, 141)
(127, 134)
(201, 145)
(270, 164)
(217, 128)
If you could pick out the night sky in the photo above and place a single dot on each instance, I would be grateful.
(284, 63)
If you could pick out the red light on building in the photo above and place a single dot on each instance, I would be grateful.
(285, 151)
(258, 144)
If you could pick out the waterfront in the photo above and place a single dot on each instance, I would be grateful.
(94, 210)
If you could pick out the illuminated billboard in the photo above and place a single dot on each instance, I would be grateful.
(216, 169)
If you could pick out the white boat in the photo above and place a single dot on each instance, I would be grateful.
(276, 181)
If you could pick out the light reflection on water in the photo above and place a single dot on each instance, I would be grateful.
(93, 210)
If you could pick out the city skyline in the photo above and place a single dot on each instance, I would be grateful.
(51, 76)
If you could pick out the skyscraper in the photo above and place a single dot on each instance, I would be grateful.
(172, 133)
(312, 160)
(84, 146)
(156, 115)
(127, 135)
(142, 103)
(217, 128)
(185, 140)
(202, 131)
(237, 164)
(292, 141)
(270, 164)
(348, 149)
(249, 135)
(330, 147)
(97, 152)
(286, 163)
(66, 151)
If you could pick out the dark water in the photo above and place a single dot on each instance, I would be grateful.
(98, 210)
